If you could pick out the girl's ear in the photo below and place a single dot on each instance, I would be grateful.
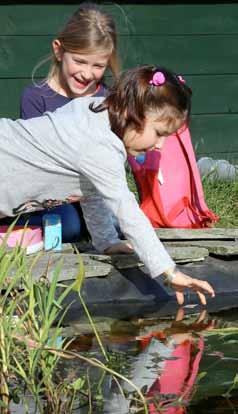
(57, 49)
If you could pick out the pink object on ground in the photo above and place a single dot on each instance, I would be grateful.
(169, 185)
(28, 237)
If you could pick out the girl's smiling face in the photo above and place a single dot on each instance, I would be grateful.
(152, 137)
(79, 73)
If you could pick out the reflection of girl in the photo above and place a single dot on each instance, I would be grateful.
(179, 354)
(165, 368)
(177, 378)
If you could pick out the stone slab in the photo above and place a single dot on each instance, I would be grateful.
(186, 254)
(183, 254)
(97, 265)
(94, 266)
(198, 234)
(221, 248)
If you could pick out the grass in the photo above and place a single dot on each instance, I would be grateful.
(222, 198)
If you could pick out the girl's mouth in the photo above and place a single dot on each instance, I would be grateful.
(82, 84)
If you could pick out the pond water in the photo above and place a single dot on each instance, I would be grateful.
(186, 363)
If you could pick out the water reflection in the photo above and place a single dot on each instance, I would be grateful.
(165, 368)
(181, 365)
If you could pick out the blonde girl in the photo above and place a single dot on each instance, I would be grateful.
(81, 53)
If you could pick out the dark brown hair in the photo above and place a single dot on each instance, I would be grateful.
(132, 97)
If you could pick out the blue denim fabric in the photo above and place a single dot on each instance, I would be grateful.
(70, 220)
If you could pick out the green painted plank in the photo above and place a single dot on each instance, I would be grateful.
(214, 94)
(11, 90)
(216, 54)
(212, 135)
(216, 136)
(19, 55)
(33, 19)
(211, 94)
(140, 18)
(190, 39)
(185, 54)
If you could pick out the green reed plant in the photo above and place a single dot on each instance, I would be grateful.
(31, 344)
(105, 367)
(77, 287)
(9, 260)
(40, 309)
(27, 317)
(43, 313)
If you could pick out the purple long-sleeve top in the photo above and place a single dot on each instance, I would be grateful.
(39, 98)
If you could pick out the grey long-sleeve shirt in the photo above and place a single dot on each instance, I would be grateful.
(73, 153)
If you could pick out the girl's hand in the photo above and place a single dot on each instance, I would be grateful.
(182, 281)
(119, 248)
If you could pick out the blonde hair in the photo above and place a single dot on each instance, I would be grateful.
(89, 30)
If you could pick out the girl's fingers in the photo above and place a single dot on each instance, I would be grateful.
(180, 315)
(202, 298)
(179, 297)
(201, 287)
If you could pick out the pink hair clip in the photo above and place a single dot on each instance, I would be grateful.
(181, 79)
(158, 79)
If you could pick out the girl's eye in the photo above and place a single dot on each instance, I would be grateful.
(80, 62)
(100, 66)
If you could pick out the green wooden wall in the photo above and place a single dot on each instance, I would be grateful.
(198, 40)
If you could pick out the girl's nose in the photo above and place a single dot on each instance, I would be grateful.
(87, 74)
(160, 143)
